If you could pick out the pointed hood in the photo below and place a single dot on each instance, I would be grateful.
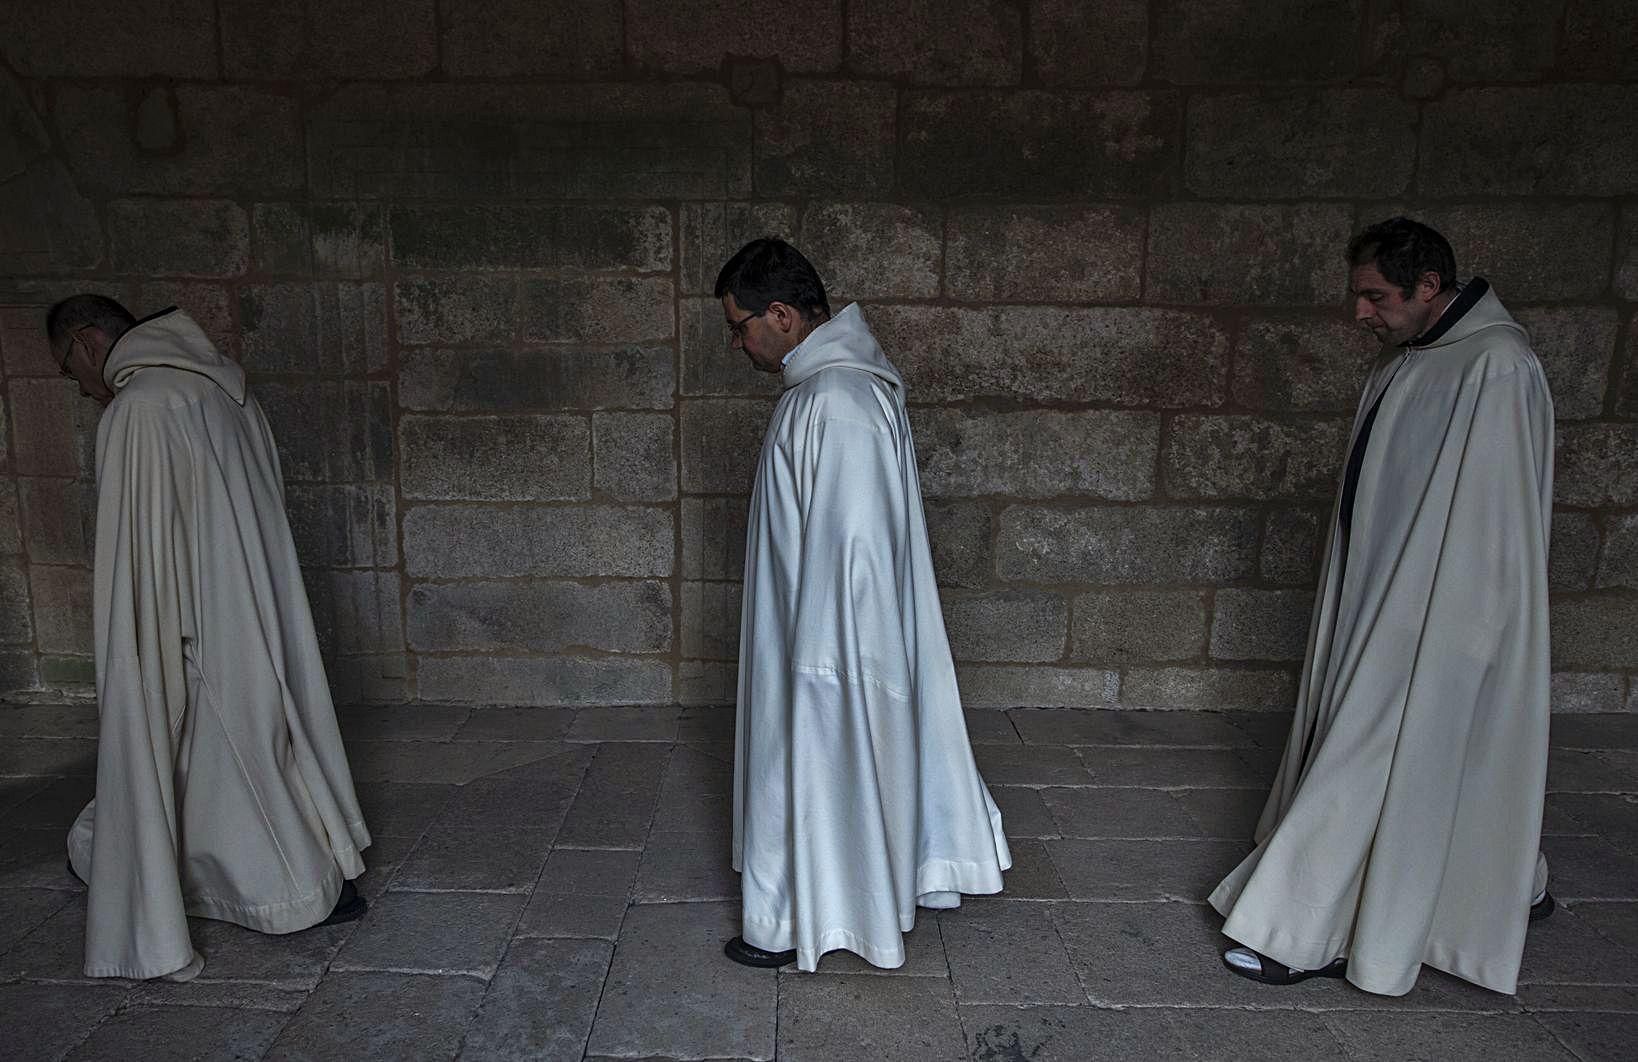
(172, 340)
(845, 342)
(1475, 309)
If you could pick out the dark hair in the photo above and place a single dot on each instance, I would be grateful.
(1403, 251)
(771, 270)
(77, 311)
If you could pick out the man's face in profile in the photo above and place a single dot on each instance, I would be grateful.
(1381, 306)
(80, 357)
(750, 333)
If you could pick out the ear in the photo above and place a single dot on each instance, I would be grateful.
(784, 315)
(1427, 286)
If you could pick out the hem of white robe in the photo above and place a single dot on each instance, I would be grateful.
(285, 916)
(139, 973)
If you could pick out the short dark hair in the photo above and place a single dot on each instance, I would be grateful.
(770, 270)
(77, 311)
(1403, 251)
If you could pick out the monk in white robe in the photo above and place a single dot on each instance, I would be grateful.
(856, 797)
(1405, 819)
(223, 790)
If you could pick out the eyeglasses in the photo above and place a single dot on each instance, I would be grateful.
(736, 329)
(68, 351)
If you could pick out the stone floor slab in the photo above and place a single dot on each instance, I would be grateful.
(1144, 870)
(1595, 730)
(24, 910)
(54, 950)
(42, 1023)
(35, 859)
(236, 995)
(1075, 726)
(670, 990)
(706, 723)
(381, 862)
(829, 1018)
(1575, 771)
(1615, 921)
(480, 858)
(616, 803)
(990, 726)
(1588, 868)
(456, 762)
(1595, 1036)
(1223, 814)
(30, 757)
(687, 866)
(625, 724)
(1068, 1034)
(402, 808)
(1130, 813)
(409, 722)
(48, 720)
(541, 1002)
(1033, 875)
(1022, 812)
(511, 723)
(1569, 949)
(1166, 767)
(433, 933)
(1266, 730)
(54, 806)
(1611, 816)
(923, 954)
(1033, 765)
(1008, 952)
(1441, 1037)
(380, 1017)
(160, 1034)
(571, 916)
(290, 960)
(1267, 1036)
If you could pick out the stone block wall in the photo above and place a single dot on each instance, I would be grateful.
(466, 250)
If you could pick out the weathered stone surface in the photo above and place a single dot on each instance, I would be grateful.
(1029, 143)
(874, 250)
(341, 239)
(1260, 624)
(61, 518)
(83, 38)
(1220, 41)
(1626, 398)
(11, 516)
(315, 327)
(1511, 40)
(632, 456)
(53, 429)
(1037, 454)
(46, 225)
(1053, 253)
(1307, 364)
(1123, 627)
(1072, 42)
(1213, 688)
(535, 616)
(543, 680)
(207, 302)
(1292, 541)
(594, 310)
(1253, 457)
(706, 682)
(512, 458)
(1597, 39)
(708, 234)
(720, 443)
(16, 614)
(1572, 558)
(1588, 692)
(1592, 631)
(385, 1015)
(541, 1001)
(1626, 255)
(343, 525)
(24, 349)
(1007, 626)
(925, 42)
(696, 36)
(960, 536)
(1113, 355)
(1576, 346)
(568, 239)
(460, 381)
(42, 1022)
(710, 620)
(828, 138)
(1335, 142)
(1542, 140)
(556, 40)
(1509, 1037)
(1077, 1034)
(713, 537)
(62, 608)
(1529, 250)
(357, 611)
(362, 41)
(20, 670)
(1126, 546)
(709, 365)
(356, 444)
(519, 141)
(1237, 253)
(458, 309)
(234, 139)
(188, 237)
(1618, 566)
(1596, 465)
(1037, 687)
(155, 1032)
(453, 541)
(823, 1018)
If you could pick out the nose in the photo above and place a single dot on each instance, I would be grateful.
(1363, 309)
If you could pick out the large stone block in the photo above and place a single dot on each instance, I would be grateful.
(1596, 465)
(567, 542)
(550, 40)
(1225, 253)
(1597, 40)
(62, 608)
(1590, 631)
(456, 309)
(1037, 453)
(710, 620)
(1572, 558)
(1028, 143)
(1253, 457)
(874, 250)
(633, 456)
(265, 40)
(1115, 355)
(708, 234)
(1626, 396)
(1219, 41)
(1335, 142)
(713, 537)
(697, 36)
(709, 365)
(961, 539)
(928, 42)
(1000, 686)
(1260, 624)
(1305, 364)
(706, 682)
(353, 442)
(46, 225)
(1507, 40)
(321, 328)
(1626, 254)
(378, 678)
(218, 139)
(11, 516)
(598, 310)
(569, 239)
(1588, 692)
(318, 239)
(721, 440)
(61, 518)
(357, 612)
(1074, 42)
(512, 458)
(828, 138)
(541, 616)
(1529, 250)
(568, 680)
(1292, 541)
(54, 430)
(646, 141)
(1618, 567)
(1214, 689)
(1118, 628)
(207, 302)
(1006, 626)
(85, 38)
(1053, 253)
(465, 381)
(1546, 140)
(24, 348)
(19, 671)
(1106, 546)
(344, 525)
(1576, 346)
(16, 612)
(186, 237)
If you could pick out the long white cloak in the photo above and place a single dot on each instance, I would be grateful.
(223, 789)
(1404, 821)
(856, 796)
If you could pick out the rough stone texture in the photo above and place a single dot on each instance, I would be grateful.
(874, 250)
(1261, 255)
(694, 36)
(1122, 627)
(557, 40)
(318, 239)
(1045, 254)
(1558, 140)
(343, 41)
(1529, 250)
(454, 541)
(1206, 41)
(967, 42)
(196, 237)
(1597, 465)
(828, 137)
(1125, 547)
(1010, 626)
(630, 617)
(1260, 624)
(1576, 347)
(318, 328)
(460, 381)
(1037, 454)
(514, 458)
(569, 239)
(152, 38)
(1253, 457)
(1072, 42)
(1301, 364)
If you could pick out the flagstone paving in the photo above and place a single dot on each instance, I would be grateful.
(556, 884)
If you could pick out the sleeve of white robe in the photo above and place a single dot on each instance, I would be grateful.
(136, 926)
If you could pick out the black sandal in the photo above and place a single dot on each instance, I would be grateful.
(1543, 907)
(1274, 972)
(751, 955)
